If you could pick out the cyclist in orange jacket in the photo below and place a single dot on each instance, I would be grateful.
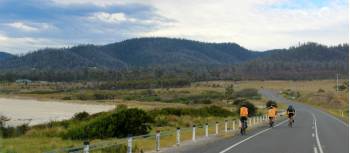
(243, 113)
(271, 113)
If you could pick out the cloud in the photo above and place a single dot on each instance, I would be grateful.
(18, 45)
(255, 24)
(22, 26)
(102, 3)
(31, 27)
(109, 17)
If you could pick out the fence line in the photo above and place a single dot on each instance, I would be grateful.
(129, 142)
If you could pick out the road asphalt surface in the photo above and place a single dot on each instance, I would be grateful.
(314, 131)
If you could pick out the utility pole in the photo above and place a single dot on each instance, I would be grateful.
(337, 82)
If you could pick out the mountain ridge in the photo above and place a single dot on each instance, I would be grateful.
(308, 60)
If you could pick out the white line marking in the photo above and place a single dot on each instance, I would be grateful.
(331, 116)
(315, 150)
(256, 134)
(316, 132)
(313, 134)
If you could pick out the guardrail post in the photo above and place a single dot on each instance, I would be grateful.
(129, 143)
(86, 147)
(254, 120)
(158, 141)
(225, 126)
(206, 130)
(217, 128)
(233, 125)
(194, 133)
(250, 122)
(178, 136)
(260, 119)
(342, 114)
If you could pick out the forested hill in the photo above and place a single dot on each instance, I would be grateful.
(148, 57)
(4, 56)
(142, 52)
(308, 61)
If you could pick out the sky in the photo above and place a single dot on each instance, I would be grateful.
(28, 25)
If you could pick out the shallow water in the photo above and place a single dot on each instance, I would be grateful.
(35, 112)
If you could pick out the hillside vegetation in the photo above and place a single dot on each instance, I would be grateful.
(154, 58)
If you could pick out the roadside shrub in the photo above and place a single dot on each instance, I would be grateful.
(291, 94)
(239, 101)
(161, 121)
(66, 98)
(205, 97)
(81, 116)
(271, 103)
(103, 96)
(199, 112)
(118, 124)
(229, 92)
(44, 91)
(320, 90)
(342, 87)
(251, 108)
(247, 93)
(8, 132)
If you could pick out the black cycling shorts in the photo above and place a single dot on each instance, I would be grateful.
(243, 118)
(290, 115)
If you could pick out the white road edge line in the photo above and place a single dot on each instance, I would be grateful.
(331, 116)
(256, 134)
(315, 150)
(316, 133)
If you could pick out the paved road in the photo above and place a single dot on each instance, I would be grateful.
(314, 132)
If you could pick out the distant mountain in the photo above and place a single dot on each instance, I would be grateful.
(4, 56)
(142, 52)
(310, 60)
(196, 59)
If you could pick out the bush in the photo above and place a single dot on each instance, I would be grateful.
(271, 103)
(247, 93)
(291, 94)
(229, 92)
(103, 96)
(205, 97)
(8, 132)
(118, 124)
(320, 90)
(200, 112)
(66, 98)
(81, 116)
(239, 101)
(251, 108)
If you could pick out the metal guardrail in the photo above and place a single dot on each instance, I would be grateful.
(229, 126)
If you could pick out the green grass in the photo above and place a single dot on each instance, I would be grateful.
(26, 144)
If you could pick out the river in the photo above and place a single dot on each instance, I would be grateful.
(35, 112)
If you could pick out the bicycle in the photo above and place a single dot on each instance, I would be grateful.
(243, 127)
(271, 122)
(291, 120)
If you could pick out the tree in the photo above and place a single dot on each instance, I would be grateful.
(271, 103)
(229, 92)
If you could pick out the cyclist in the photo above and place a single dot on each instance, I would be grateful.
(243, 112)
(271, 113)
(290, 113)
